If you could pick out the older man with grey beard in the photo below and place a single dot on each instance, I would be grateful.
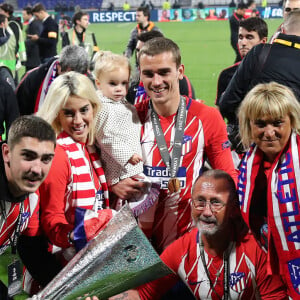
(219, 258)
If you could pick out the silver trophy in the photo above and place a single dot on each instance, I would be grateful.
(118, 259)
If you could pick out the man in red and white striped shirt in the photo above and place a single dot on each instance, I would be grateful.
(202, 136)
(24, 164)
(219, 259)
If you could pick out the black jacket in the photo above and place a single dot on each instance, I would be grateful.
(224, 79)
(48, 39)
(234, 22)
(134, 34)
(282, 65)
(32, 48)
(29, 86)
(9, 110)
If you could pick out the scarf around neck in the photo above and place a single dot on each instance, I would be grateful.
(283, 195)
(84, 191)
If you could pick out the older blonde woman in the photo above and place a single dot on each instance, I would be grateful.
(269, 180)
(76, 183)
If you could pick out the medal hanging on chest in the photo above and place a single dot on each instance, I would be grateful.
(172, 163)
(173, 185)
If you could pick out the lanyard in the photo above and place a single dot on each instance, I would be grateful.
(13, 241)
(226, 270)
(171, 163)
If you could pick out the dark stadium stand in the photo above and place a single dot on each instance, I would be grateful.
(63, 5)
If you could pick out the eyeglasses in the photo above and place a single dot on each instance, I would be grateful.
(214, 205)
(288, 9)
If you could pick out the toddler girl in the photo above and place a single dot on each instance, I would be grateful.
(118, 130)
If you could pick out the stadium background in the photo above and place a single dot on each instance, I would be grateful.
(206, 50)
(205, 44)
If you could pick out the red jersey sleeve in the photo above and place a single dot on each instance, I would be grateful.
(33, 227)
(269, 286)
(52, 194)
(217, 148)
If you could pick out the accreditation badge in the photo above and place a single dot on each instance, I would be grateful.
(14, 278)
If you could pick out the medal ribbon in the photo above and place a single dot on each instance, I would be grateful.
(171, 163)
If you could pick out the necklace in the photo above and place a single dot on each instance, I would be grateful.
(217, 266)
(224, 266)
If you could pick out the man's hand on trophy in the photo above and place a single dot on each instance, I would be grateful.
(88, 298)
(128, 188)
(128, 295)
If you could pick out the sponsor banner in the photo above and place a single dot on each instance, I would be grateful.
(176, 15)
(111, 16)
(271, 12)
(193, 14)
(163, 175)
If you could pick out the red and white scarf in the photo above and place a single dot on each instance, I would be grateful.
(83, 187)
(283, 195)
(82, 198)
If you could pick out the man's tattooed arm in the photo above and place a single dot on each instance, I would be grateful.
(128, 295)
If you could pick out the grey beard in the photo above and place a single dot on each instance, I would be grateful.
(207, 231)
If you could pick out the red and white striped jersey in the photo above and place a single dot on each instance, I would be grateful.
(12, 210)
(205, 136)
(248, 278)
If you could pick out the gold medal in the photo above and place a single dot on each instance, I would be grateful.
(173, 185)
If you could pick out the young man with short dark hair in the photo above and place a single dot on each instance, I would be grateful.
(143, 25)
(47, 40)
(252, 32)
(234, 22)
(80, 35)
(24, 164)
(32, 49)
(188, 132)
(279, 62)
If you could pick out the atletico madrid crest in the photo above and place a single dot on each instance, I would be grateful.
(237, 281)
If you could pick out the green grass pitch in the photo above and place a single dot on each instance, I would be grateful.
(205, 49)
